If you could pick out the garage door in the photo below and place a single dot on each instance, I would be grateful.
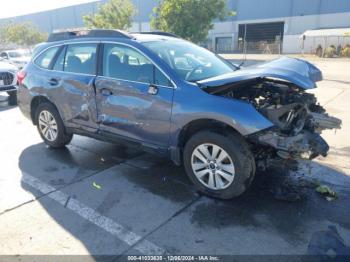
(261, 37)
(224, 44)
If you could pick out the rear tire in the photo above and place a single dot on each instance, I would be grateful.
(51, 127)
(219, 166)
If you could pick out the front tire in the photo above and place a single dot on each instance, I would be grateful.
(219, 166)
(51, 127)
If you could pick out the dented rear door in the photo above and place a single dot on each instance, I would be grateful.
(71, 84)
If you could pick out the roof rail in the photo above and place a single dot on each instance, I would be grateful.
(160, 33)
(59, 35)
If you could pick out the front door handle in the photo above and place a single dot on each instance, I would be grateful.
(106, 92)
(152, 90)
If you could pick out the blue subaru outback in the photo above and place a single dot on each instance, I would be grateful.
(177, 99)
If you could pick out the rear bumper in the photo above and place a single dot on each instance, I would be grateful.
(24, 101)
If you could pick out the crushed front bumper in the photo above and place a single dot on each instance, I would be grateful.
(305, 145)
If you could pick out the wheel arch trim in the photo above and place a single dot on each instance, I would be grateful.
(34, 105)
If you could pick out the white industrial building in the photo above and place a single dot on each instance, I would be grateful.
(259, 26)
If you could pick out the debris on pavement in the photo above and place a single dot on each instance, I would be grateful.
(326, 191)
(95, 185)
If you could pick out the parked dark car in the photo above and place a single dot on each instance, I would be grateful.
(175, 98)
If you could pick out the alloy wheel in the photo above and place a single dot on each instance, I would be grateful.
(212, 166)
(48, 125)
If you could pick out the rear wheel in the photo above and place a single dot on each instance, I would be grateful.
(218, 165)
(51, 127)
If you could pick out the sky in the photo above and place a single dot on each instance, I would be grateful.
(22, 7)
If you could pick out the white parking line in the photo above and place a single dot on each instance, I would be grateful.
(130, 238)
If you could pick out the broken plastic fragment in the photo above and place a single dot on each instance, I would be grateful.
(328, 198)
(95, 185)
(327, 192)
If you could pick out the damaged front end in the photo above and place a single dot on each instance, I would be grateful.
(281, 97)
(297, 117)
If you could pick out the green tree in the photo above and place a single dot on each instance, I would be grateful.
(190, 19)
(25, 34)
(115, 14)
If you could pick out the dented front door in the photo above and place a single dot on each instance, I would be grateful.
(134, 98)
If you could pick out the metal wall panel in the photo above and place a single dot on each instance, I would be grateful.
(265, 9)
(247, 11)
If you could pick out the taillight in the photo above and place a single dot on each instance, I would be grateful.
(20, 76)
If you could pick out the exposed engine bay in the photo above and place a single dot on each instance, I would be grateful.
(297, 117)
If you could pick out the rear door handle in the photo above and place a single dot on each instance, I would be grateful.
(53, 81)
(106, 92)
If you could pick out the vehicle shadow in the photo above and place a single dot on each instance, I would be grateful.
(258, 208)
(286, 202)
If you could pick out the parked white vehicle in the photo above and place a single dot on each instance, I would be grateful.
(19, 57)
(8, 80)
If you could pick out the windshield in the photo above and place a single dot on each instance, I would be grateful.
(191, 62)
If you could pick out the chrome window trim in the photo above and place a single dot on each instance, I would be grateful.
(155, 64)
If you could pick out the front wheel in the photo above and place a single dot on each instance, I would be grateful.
(219, 166)
(51, 127)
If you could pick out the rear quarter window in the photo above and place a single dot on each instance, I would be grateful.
(45, 58)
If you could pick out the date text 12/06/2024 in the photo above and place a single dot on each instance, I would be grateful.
(173, 258)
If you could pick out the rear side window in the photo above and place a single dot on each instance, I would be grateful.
(80, 58)
(44, 59)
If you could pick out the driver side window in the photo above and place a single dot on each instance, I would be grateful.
(125, 63)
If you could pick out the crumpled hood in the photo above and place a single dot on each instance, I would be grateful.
(297, 71)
